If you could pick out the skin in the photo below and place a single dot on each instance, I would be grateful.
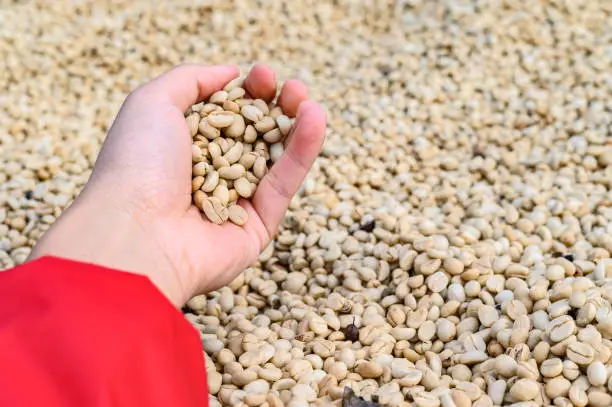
(135, 213)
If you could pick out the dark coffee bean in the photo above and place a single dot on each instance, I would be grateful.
(385, 70)
(350, 399)
(29, 194)
(368, 226)
(351, 333)
(275, 303)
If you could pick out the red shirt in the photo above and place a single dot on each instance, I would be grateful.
(75, 334)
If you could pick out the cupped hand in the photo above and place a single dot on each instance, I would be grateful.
(136, 212)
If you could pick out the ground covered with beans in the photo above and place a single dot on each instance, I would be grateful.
(451, 246)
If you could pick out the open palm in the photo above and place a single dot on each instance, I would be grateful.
(143, 173)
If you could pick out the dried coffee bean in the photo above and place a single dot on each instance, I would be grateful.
(214, 210)
(238, 215)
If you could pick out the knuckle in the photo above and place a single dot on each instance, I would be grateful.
(278, 185)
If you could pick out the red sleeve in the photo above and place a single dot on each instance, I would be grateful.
(73, 334)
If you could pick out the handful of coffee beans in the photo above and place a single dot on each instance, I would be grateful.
(235, 140)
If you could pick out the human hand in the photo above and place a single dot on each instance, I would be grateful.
(136, 212)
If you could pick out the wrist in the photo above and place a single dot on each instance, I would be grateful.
(96, 231)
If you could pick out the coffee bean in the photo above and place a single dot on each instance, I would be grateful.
(352, 332)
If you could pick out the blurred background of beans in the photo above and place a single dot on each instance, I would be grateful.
(459, 218)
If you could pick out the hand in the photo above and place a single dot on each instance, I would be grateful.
(135, 213)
